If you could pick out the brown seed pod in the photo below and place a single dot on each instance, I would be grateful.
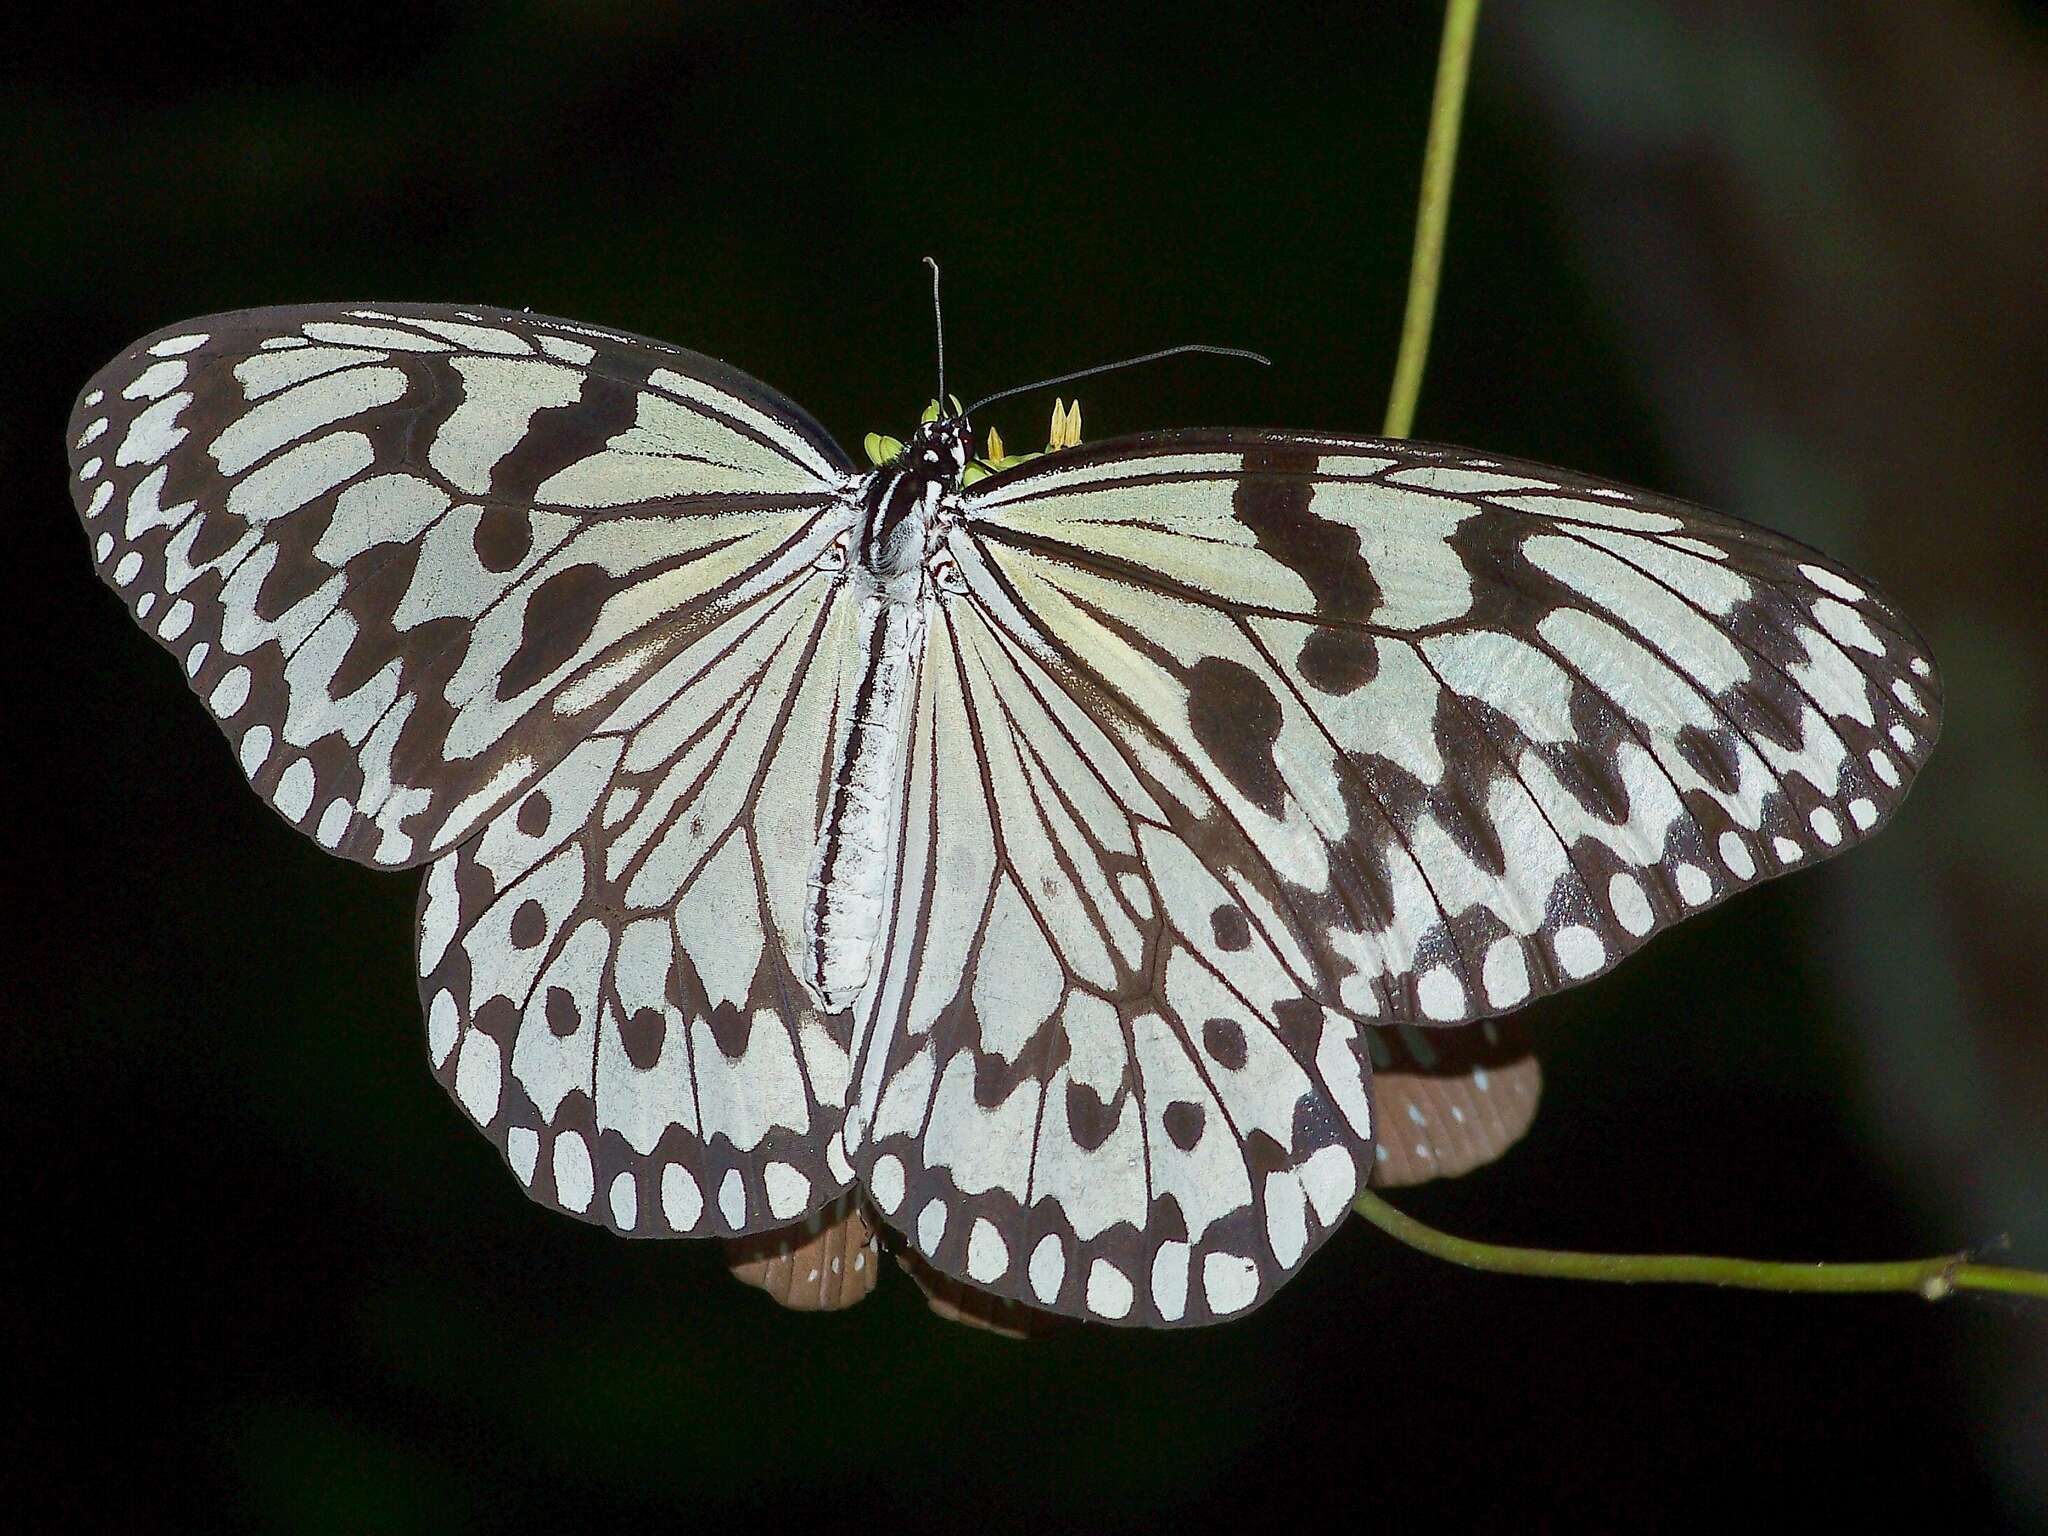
(823, 1264)
(958, 1302)
(1449, 1100)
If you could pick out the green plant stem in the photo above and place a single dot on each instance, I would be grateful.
(1933, 1279)
(1439, 161)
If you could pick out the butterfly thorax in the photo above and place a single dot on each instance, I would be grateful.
(899, 503)
(888, 580)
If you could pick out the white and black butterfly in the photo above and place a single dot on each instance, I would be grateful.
(1035, 854)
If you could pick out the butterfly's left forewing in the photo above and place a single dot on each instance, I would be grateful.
(1489, 725)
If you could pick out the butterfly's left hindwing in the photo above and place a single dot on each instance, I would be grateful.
(1092, 1074)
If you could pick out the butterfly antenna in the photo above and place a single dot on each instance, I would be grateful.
(1125, 362)
(939, 327)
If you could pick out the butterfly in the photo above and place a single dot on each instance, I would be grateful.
(1036, 847)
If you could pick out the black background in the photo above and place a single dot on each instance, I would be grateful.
(1784, 260)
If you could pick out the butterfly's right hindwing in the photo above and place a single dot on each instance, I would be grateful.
(605, 966)
(406, 555)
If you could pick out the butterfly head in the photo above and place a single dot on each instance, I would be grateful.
(940, 448)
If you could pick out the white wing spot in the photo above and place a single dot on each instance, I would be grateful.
(682, 1202)
(1828, 581)
(294, 792)
(90, 470)
(1109, 1290)
(1825, 827)
(175, 620)
(789, 1189)
(230, 693)
(333, 822)
(1788, 851)
(1441, 994)
(255, 750)
(1579, 950)
(1902, 737)
(835, 1159)
(156, 380)
(1630, 905)
(441, 1027)
(1137, 893)
(1048, 1268)
(1170, 1280)
(1921, 667)
(174, 346)
(1286, 1217)
(1907, 695)
(101, 495)
(1331, 1179)
(1506, 973)
(732, 1199)
(569, 351)
(1230, 1281)
(1695, 885)
(931, 1225)
(478, 1076)
(1882, 765)
(625, 1199)
(1863, 813)
(987, 1255)
(129, 568)
(103, 546)
(522, 1151)
(1736, 855)
(196, 658)
(885, 1181)
(1847, 627)
(574, 1184)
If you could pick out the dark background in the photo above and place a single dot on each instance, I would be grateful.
(1785, 260)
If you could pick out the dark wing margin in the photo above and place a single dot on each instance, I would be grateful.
(407, 554)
